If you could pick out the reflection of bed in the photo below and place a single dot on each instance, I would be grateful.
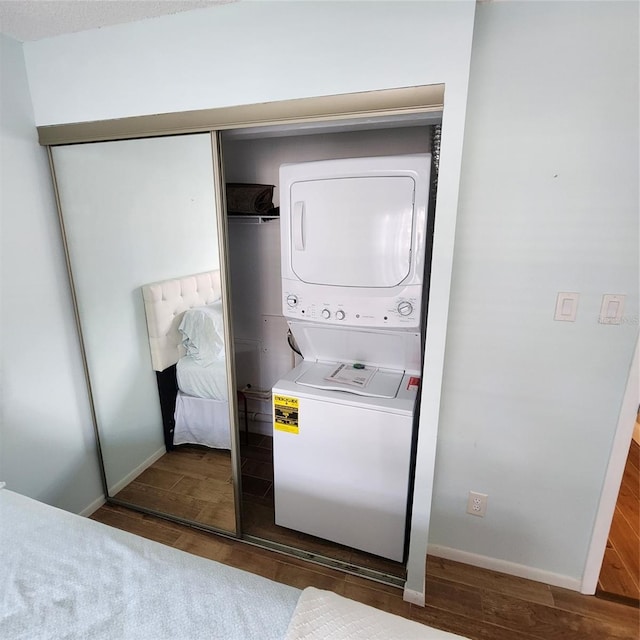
(64, 576)
(186, 339)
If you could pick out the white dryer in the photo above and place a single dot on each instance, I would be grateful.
(353, 236)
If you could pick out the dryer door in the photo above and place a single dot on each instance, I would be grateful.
(352, 232)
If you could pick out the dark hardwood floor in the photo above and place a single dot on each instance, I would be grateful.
(195, 483)
(190, 482)
(620, 573)
(475, 603)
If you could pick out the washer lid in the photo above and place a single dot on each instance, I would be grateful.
(392, 349)
(382, 383)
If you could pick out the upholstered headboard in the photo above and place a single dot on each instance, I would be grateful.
(164, 304)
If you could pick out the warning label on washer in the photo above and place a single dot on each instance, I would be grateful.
(285, 414)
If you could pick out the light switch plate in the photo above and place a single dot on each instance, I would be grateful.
(566, 306)
(612, 308)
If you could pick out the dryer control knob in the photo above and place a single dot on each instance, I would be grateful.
(326, 314)
(292, 300)
(340, 314)
(405, 308)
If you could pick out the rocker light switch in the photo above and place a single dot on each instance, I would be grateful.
(566, 306)
(612, 308)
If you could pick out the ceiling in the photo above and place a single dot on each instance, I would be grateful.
(27, 20)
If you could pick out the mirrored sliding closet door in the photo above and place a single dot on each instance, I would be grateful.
(142, 239)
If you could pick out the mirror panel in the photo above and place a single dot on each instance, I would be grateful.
(137, 212)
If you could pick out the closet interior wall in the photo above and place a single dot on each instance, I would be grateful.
(263, 354)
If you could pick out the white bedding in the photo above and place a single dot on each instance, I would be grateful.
(202, 408)
(63, 576)
(202, 381)
(202, 421)
(202, 331)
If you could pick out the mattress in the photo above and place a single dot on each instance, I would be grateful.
(202, 380)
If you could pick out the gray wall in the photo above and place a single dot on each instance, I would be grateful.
(47, 447)
(548, 203)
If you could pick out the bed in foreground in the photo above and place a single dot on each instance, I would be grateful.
(64, 576)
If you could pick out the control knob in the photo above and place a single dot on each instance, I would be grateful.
(326, 314)
(292, 300)
(340, 314)
(405, 308)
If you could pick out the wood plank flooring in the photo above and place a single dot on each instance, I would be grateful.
(194, 483)
(190, 482)
(620, 573)
(476, 603)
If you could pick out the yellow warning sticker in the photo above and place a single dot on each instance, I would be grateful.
(285, 414)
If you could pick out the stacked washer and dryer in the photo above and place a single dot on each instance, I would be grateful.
(353, 235)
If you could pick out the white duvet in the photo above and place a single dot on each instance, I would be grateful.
(202, 421)
(202, 380)
(67, 577)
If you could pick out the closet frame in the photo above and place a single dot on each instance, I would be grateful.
(307, 113)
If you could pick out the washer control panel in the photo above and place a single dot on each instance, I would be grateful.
(372, 311)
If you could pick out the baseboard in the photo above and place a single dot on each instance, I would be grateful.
(137, 471)
(93, 507)
(503, 566)
(414, 597)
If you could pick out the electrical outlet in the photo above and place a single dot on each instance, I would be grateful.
(477, 503)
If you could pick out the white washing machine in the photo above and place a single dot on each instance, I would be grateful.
(342, 460)
(353, 236)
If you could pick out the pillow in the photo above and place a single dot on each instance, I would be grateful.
(202, 331)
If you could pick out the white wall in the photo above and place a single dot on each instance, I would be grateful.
(548, 203)
(47, 448)
(246, 53)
